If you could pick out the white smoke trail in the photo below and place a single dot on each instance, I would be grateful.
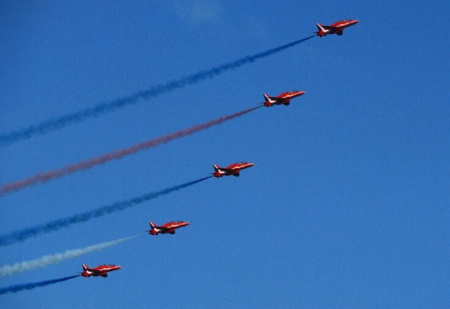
(58, 257)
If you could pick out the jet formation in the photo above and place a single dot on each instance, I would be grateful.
(235, 168)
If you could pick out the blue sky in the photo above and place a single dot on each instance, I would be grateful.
(347, 204)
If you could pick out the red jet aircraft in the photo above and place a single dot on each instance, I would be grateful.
(169, 227)
(234, 169)
(101, 270)
(284, 98)
(336, 28)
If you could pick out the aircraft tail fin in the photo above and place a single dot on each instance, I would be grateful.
(268, 98)
(320, 27)
(216, 167)
(85, 267)
(152, 225)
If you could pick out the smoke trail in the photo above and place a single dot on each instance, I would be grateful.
(115, 155)
(32, 285)
(103, 108)
(86, 216)
(47, 260)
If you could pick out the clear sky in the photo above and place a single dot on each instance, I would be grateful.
(347, 205)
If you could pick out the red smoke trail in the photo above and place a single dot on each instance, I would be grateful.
(106, 107)
(115, 155)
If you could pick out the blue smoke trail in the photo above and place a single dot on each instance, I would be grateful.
(103, 108)
(115, 155)
(21, 235)
(32, 285)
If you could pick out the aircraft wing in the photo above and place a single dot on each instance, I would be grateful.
(227, 169)
(330, 28)
(96, 272)
(168, 229)
(278, 99)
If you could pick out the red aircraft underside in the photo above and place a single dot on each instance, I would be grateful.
(284, 98)
(233, 169)
(101, 270)
(336, 28)
(169, 227)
